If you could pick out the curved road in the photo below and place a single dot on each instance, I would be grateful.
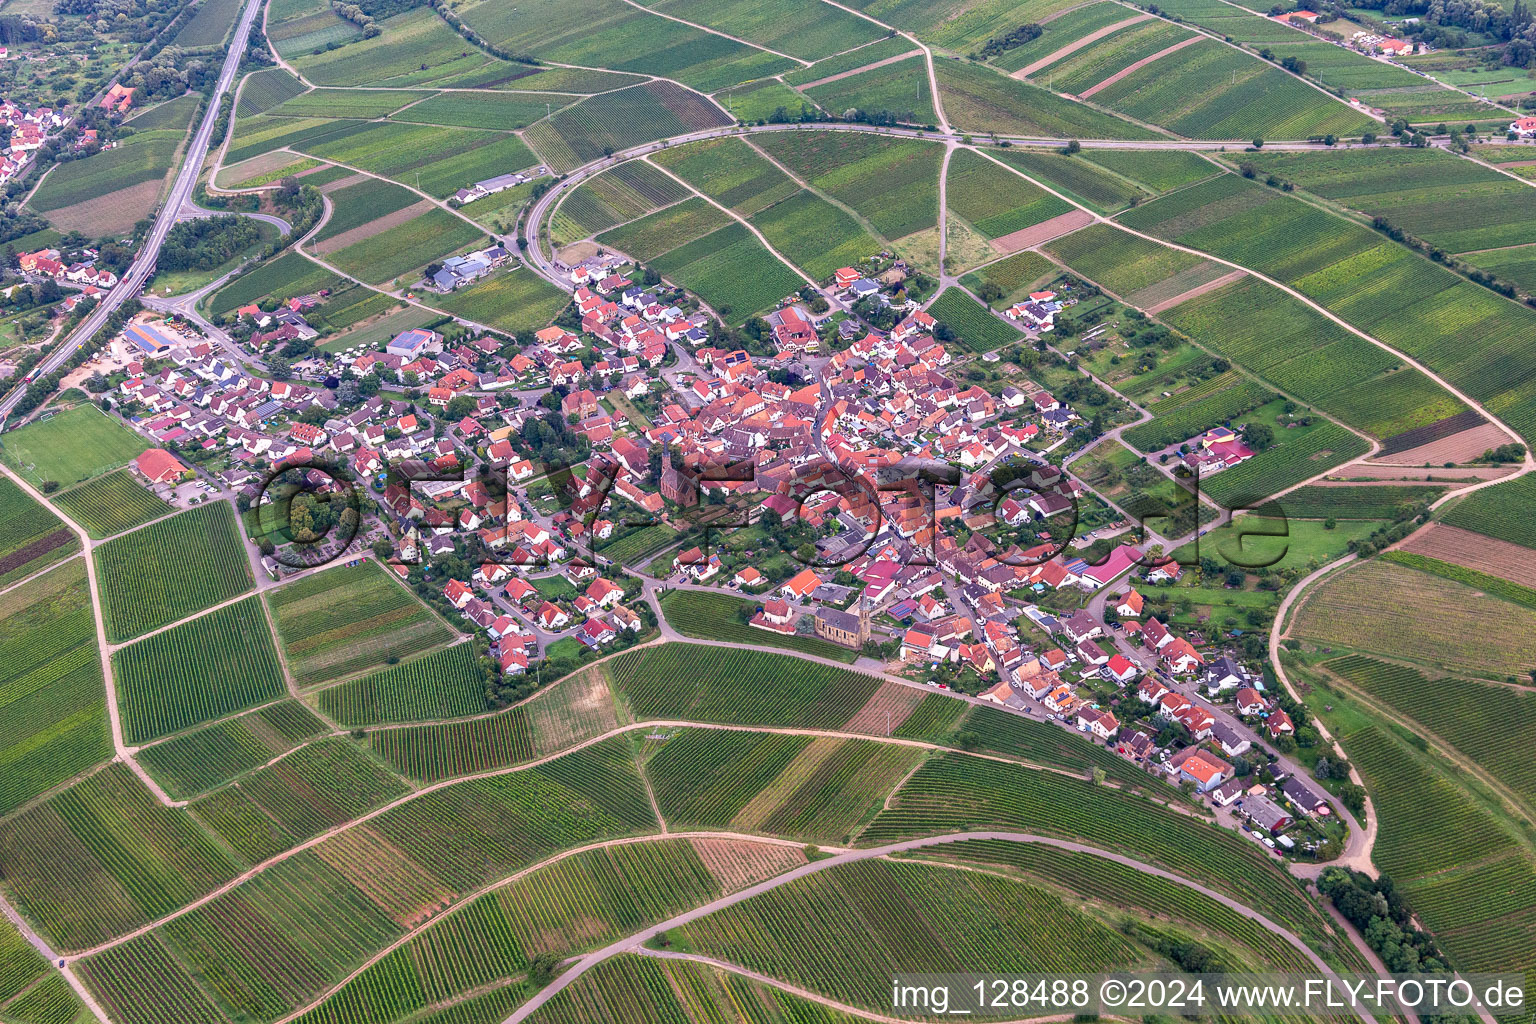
(172, 210)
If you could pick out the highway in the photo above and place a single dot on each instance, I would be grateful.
(175, 206)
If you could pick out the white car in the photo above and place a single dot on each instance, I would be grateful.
(1257, 835)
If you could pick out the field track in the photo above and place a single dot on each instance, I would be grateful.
(1133, 68)
(1075, 45)
(1209, 286)
(1039, 234)
(859, 70)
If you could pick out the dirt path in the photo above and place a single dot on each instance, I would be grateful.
(1132, 69)
(1077, 44)
(860, 70)
(1198, 290)
(636, 942)
(716, 32)
(42, 947)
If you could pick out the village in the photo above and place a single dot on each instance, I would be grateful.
(867, 498)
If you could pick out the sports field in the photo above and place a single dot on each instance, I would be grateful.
(73, 445)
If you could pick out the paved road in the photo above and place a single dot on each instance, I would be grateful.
(181, 193)
(636, 941)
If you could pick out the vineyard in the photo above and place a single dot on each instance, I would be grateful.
(730, 172)
(195, 763)
(1503, 512)
(171, 569)
(141, 983)
(973, 324)
(1121, 262)
(446, 683)
(628, 191)
(317, 787)
(1440, 623)
(198, 671)
(1011, 735)
(717, 617)
(894, 917)
(1291, 460)
(618, 120)
(956, 792)
(994, 200)
(1364, 502)
(731, 271)
(131, 859)
(31, 536)
(53, 719)
(1195, 417)
(700, 683)
(559, 716)
(111, 504)
(981, 100)
(889, 182)
(661, 232)
(347, 619)
(1013, 275)
(1473, 718)
(815, 235)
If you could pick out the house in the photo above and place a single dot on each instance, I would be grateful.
(1224, 674)
(1524, 126)
(1136, 745)
(519, 591)
(605, 593)
(1102, 724)
(1303, 798)
(776, 615)
(1224, 794)
(1279, 724)
(551, 618)
(1205, 770)
(412, 343)
(117, 99)
(159, 466)
(1130, 605)
(1249, 701)
(458, 593)
(1121, 669)
(1231, 741)
(748, 578)
(1266, 814)
(1082, 626)
(801, 585)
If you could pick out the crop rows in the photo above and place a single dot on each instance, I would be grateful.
(994, 200)
(200, 670)
(1288, 462)
(974, 325)
(707, 684)
(846, 930)
(432, 752)
(194, 763)
(1191, 418)
(131, 859)
(977, 98)
(714, 617)
(111, 504)
(1503, 512)
(730, 172)
(889, 182)
(141, 983)
(815, 235)
(1082, 178)
(1496, 586)
(618, 120)
(1097, 877)
(1121, 262)
(1015, 736)
(171, 569)
(53, 719)
(731, 271)
(1363, 502)
(831, 795)
(628, 191)
(704, 777)
(1471, 717)
(1159, 170)
(1011, 274)
(958, 792)
(443, 684)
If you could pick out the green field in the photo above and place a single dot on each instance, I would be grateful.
(1013, 275)
(115, 187)
(1079, 178)
(435, 159)
(54, 716)
(900, 90)
(618, 120)
(892, 183)
(198, 671)
(171, 569)
(976, 328)
(288, 275)
(413, 48)
(995, 201)
(73, 445)
(714, 617)
(110, 504)
(346, 619)
(976, 98)
(651, 236)
(730, 270)
(199, 760)
(263, 90)
(360, 204)
(1364, 502)
(363, 104)
(513, 301)
(1501, 512)
(1158, 170)
(31, 536)
(729, 171)
(446, 683)
(627, 192)
(758, 101)
(815, 235)
(407, 247)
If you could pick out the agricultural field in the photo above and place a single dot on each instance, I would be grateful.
(107, 193)
(1357, 502)
(197, 761)
(54, 714)
(995, 201)
(730, 171)
(289, 275)
(900, 89)
(891, 183)
(815, 235)
(1502, 512)
(196, 672)
(972, 323)
(407, 247)
(1123, 263)
(346, 619)
(263, 90)
(447, 683)
(31, 537)
(316, 787)
(626, 193)
(171, 569)
(978, 99)
(438, 160)
(1297, 454)
(731, 271)
(659, 233)
(358, 205)
(1441, 624)
(704, 684)
(501, 111)
(759, 101)
(1157, 170)
(131, 859)
(362, 104)
(801, 28)
(899, 916)
(1517, 265)
(71, 445)
(513, 301)
(615, 121)
(1197, 415)
(1084, 181)
(720, 617)
(1015, 276)
(397, 55)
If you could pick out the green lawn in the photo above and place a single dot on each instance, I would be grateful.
(73, 445)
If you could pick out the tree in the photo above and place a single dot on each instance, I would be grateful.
(1258, 143)
(1330, 523)
(1258, 436)
(279, 368)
